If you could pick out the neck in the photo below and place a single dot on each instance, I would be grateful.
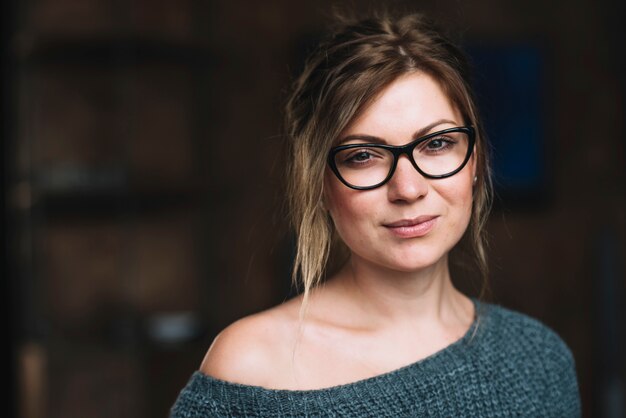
(379, 296)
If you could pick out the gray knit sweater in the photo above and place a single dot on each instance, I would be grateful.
(507, 364)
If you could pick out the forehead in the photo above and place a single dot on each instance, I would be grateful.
(404, 107)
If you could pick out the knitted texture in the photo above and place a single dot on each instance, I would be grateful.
(507, 364)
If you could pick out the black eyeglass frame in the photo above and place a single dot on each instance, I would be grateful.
(398, 150)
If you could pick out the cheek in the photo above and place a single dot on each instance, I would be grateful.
(342, 206)
(459, 198)
(350, 210)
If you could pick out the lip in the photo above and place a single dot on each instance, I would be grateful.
(413, 228)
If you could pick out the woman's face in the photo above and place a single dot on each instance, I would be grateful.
(410, 222)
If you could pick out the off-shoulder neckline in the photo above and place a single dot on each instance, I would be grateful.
(451, 351)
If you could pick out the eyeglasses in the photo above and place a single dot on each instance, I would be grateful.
(436, 155)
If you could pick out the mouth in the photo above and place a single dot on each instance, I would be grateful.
(412, 228)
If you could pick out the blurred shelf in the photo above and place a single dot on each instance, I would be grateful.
(96, 192)
(113, 203)
(118, 326)
(121, 52)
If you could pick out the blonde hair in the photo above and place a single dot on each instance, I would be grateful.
(340, 79)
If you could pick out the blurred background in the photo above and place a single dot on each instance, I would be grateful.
(142, 184)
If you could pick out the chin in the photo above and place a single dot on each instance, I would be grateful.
(413, 267)
(408, 263)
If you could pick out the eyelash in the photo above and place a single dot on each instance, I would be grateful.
(447, 143)
(356, 152)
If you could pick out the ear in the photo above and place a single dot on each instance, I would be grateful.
(473, 165)
(474, 161)
(325, 203)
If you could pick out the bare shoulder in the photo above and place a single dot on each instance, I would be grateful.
(254, 349)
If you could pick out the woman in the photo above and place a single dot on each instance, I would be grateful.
(388, 161)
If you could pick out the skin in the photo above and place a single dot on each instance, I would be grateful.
(393, 303)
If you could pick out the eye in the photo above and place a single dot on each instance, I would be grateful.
(360, 156)
(438, 144)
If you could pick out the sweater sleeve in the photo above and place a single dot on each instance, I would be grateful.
(537, 363)
(554, 370)
(204, 396)
(565, 395)
(194, 401)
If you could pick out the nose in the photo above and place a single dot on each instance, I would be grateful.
(406, 184)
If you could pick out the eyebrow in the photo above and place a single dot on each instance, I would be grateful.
(374, 139)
